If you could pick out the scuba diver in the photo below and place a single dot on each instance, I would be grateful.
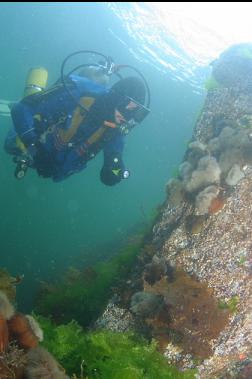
(58, 130)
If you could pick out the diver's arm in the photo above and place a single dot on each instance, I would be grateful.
(113, 166)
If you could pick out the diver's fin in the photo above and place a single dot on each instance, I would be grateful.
(5, 107)
(11, 104)
(4, 110)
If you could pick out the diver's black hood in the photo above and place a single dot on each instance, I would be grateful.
(105, 105)
(132, 87)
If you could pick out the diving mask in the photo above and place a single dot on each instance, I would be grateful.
(132, 110)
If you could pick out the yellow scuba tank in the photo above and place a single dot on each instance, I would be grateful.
(36, 81)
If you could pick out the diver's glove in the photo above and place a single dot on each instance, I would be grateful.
(24, 160)
(113, 171)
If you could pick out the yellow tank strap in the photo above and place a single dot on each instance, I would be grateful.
(96, 135)
(20, 145)
(37, 117)
(77, 119)
(99, 133)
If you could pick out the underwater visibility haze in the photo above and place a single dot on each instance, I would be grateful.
(46, 227)
(151, 277)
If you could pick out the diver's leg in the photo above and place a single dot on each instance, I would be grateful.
(22, 117)
(10, 143)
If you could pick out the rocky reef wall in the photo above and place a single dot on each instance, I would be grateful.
(211, 204)
(202, 240)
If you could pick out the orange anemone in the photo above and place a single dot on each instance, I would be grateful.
(216, 205)
(21, 331)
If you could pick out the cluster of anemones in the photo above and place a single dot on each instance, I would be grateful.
(15, 327)
(21, 357)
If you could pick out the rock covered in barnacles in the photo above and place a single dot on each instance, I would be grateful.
(175, 192)
(233, 69)
(169, 220)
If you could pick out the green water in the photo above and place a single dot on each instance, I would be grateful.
(44, 226)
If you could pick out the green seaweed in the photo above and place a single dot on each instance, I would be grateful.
(231, 304)
(105, 354)
(242, 261)
(175, 173)
(85, 296)
(211, 84)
